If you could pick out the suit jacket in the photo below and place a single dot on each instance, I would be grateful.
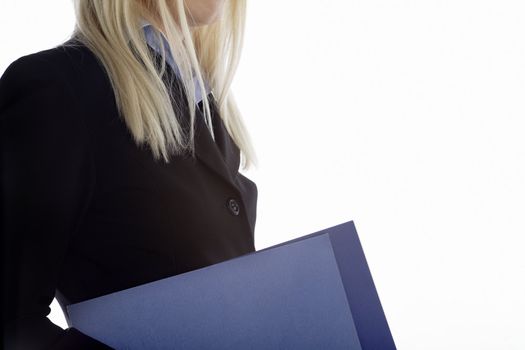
(86, 212)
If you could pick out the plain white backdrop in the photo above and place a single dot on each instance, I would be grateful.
(407, 117)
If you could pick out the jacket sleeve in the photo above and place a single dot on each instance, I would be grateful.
(47, 177)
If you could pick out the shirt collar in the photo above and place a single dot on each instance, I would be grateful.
(152, 41)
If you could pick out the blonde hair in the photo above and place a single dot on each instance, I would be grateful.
(112, 30)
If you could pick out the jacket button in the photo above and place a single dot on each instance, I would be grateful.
(234, 206)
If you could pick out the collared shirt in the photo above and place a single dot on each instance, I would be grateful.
(151, 40)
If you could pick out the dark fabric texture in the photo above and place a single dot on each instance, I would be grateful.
(86, 212)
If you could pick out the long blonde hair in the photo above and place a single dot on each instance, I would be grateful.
(111, 29)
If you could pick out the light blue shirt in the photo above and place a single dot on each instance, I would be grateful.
(151, 40)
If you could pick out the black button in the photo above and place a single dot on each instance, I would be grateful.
(234, 206)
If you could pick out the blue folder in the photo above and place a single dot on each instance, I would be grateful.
(313, 292)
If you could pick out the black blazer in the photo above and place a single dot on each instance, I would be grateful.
(85, 212)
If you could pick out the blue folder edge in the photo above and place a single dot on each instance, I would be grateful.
(369, 317)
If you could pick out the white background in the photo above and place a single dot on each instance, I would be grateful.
(404, 116)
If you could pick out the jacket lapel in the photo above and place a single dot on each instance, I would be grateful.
(221, 155)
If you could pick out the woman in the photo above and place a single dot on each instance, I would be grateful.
(120, 155)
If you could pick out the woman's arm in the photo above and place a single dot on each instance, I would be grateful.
(46, 181)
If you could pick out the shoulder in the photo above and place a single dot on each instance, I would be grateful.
(28, 71)
(28, 75)
(34, 68)
(65, 59)
(41, 122)
(64, 69)
(47, 62)
(41, 88)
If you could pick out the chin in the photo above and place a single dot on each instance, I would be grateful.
(206, 20)
(205, 11)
